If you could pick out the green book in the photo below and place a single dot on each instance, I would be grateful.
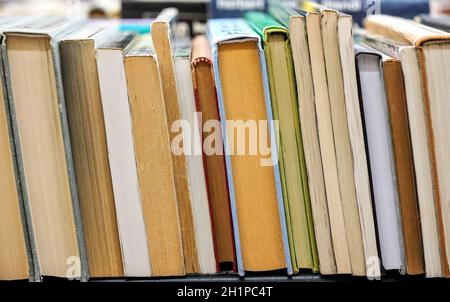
(283, 93)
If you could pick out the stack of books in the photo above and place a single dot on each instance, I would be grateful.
(281, 142)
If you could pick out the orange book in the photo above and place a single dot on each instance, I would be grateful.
(396, 100)
(215, 170)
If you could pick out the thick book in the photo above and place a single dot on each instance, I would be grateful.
(162, 40)
(433, 51)
(370, 68)
(121, 153)
(216, 177)
(341, 136)
(253, 175)
(190, 132)
(153, 158)
(90, 152)
(324, 112)
(41, 136)
(295, 20)
(413, 168)
(283, 92)
(16, 261)
(358, 147)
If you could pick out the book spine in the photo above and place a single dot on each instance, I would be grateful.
(34, 271)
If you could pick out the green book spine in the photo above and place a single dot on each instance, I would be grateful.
(299, 219)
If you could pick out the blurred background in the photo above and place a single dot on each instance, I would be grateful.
(194, 13)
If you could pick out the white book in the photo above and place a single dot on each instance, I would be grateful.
(194, 159)
(119, 136)
(382, 165)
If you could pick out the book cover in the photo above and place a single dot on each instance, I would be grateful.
(221, 32)
(289, 139)
(4, 24)
(296, 20)
(432, 47)
(55, 28)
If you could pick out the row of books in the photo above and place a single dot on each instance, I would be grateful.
(102, 177)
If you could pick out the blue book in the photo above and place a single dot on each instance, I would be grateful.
(256, 199)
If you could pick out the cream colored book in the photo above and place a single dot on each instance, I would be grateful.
(296, 21)
(161, 37)
(433, 51)
(325, 123)
(358, 148)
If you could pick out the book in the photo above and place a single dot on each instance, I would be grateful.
(283, 92)
(253, 176)
(358, 148)
(330, 38)
(153, 158)
(328, 151)
(396, 79)
(90, 152)
(161, 37)
(433, 49)
(122, 159)
(41, 137)
(296, 21)
(377, 127)
(396, 101)
(215, 171)
(15, 256)
(192, 146)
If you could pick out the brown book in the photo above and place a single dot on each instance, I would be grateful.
(214, 164)
(88, 138)
(160, 31)
(433, 51)
(153, 159)
(396, 100)
(13, 253)
(420, 149)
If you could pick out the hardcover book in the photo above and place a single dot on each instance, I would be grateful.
(370, 65)
(253, 179)
(296, 21)
(90, 152)
(16, 261)
(44, 154)
(433, 50)
(283, 92)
